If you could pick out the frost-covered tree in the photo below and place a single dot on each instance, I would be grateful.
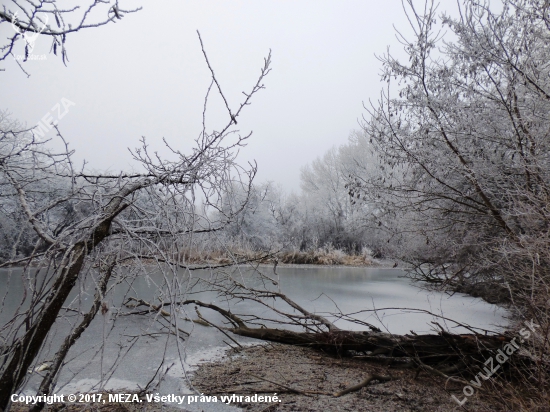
(462, 139)
(88, 229)
(462, 182)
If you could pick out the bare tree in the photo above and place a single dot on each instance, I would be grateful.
(88, 226)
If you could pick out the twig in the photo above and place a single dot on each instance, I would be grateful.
(368, 380)
(422, 365)
(282, 386)
(230, 345)
(217, 327)
(144, 303)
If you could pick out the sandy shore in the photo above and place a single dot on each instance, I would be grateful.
(306, 380)
(270, 369)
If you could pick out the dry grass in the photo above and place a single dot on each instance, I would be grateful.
(321, 256)
(324, 256)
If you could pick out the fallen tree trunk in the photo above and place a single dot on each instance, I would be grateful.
(429, 349)
(269, 315)
(442, 353)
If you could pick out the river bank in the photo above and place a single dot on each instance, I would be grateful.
(269, 369)
(325, 256)
(286, 370)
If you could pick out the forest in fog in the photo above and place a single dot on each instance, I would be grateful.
(448, 173)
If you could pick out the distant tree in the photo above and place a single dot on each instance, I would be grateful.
(258, 226)
(333, 216)
(323, 184)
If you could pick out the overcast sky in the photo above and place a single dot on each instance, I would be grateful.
(146, 76)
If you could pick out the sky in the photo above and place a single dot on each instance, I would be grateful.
(146, 76)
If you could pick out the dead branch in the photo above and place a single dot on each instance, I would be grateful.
(217, 327)
(368, 379)
(293, 390)
(141, 302)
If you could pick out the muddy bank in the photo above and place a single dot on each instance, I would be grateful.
(282, 369)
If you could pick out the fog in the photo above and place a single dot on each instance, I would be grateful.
(146, 76)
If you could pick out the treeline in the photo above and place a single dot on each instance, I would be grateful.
(451, 172)
(320, 224)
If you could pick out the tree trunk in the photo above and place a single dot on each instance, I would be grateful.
(22, 353)
(429, 349)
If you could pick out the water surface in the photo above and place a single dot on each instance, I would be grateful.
(326, 290)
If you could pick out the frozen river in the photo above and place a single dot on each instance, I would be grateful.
(94, 366)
